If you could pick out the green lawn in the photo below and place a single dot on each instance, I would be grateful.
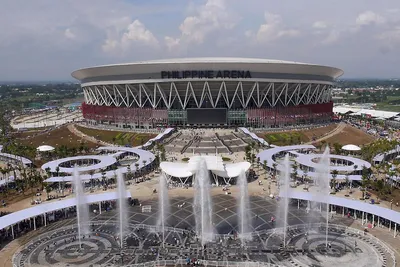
(285, 138)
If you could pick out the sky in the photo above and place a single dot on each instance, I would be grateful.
(47, 39)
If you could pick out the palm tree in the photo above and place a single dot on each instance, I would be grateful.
(294, 173)
(347, 180)
(274, 165)
(48, 190)
(333, 180)
(91, 173)
(265, 167)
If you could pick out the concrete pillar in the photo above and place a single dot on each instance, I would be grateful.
(395, 230)
(12, 231)
(390, 226)
(343, 211)
(100, 207)
(362, 219)
(45, 221)
(298, 204)
(373, 220)
(34, 223)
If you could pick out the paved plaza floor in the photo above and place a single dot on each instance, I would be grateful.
(142, 242)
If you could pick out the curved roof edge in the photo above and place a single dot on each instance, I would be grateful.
(204, 60)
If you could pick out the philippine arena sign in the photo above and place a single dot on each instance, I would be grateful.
(208, 74)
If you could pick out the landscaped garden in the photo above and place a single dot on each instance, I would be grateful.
(117, 137)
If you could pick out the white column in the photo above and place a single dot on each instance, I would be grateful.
(12, 231)
(100, 207)
(45, 221)
(395, 230)
(34, 223)
(298, 204)
(373, 220)
(362, 219)
(343, 211)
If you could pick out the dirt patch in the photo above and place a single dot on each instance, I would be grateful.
(117, 137)
(296, 137)
(350, 135)
(319, 132)
(58, 137)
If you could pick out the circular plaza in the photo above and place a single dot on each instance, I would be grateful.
(144, 243)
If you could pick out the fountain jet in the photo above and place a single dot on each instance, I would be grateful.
(202, 206)
(322, 193)
(163, 204)
(121, 197)
(244, 215)
(283, 206)
(82, 211)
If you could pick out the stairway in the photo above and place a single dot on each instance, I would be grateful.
(223, 142)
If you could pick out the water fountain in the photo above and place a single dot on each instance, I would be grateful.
(82, 211)
(163, 205)
(322, 192)
(283, 206)
(121, 197)
(244, 209)
(202, 206)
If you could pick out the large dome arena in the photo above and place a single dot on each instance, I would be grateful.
(207, 92)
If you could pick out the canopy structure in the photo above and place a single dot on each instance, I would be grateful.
(386, 213)
(145, 158)
(89, 163)
(214, 164)
(41, 209)
(158, 137)
(14, 159)
(45, 148)
(254, 136)
(308, 161)
(351, 148)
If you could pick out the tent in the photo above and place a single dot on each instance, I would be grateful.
(45, 148)
(351, 148)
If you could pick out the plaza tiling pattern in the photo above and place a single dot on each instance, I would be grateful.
(59, 247)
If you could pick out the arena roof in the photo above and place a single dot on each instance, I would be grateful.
(217, 63)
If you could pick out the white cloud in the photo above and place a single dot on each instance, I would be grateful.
(273, 29)
(69, 34)
(320, 25)
(369, 18)
(134, 34)
(91, 32)
(333, 37)
(137, 32)
(171, 43)
(209, 18)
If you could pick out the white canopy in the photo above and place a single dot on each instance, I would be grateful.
(351, 148)
(214, 164)
(45, 148)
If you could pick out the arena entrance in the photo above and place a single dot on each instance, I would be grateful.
(207, 116)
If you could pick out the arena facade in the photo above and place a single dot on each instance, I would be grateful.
(207, 92)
